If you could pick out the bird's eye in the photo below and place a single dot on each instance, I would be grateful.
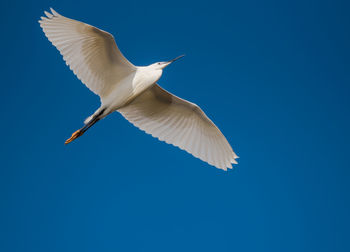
(158, 63)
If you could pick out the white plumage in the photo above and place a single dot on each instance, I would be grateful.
(94, 57)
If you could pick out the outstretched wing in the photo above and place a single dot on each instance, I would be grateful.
(91, 53)
(181, 123)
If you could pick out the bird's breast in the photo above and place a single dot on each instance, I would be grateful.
(144, 79)
(129, 88)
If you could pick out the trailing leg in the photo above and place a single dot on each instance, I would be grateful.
(94, 119)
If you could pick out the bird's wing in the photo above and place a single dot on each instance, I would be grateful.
(91, 53)
(181, 123)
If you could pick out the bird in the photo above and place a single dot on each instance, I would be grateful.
(94, 57)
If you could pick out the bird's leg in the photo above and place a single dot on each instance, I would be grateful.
(81, 131)
(74, 136)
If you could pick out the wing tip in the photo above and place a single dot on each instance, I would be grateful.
(55, 13)
(49, 15)
(229, 165)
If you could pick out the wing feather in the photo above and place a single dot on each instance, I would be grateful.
(90, 53)
(181, 123)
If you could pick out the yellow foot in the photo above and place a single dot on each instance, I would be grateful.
(74, 136)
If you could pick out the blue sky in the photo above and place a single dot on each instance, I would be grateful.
(273, 75)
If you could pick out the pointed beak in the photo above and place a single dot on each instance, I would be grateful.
(179, 57)
(171, 61)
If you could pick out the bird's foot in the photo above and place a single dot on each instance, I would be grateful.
(74, 136)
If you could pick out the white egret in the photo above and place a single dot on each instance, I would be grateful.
(95, 59)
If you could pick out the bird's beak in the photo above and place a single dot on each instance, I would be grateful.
(179, 57)
(171, 61)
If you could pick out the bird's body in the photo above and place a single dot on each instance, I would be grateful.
(131, 86)
(126, 89)
(94, 57)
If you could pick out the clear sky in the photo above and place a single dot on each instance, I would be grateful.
(273, 75)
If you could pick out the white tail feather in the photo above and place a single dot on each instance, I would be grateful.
(88, 119)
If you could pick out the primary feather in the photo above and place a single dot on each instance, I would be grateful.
(181, 123)
(91, 53)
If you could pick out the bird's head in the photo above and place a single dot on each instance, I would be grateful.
(164, 64)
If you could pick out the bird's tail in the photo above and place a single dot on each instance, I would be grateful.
(88, 119)
(97, 113)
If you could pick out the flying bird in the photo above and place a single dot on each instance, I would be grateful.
(93, 55)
